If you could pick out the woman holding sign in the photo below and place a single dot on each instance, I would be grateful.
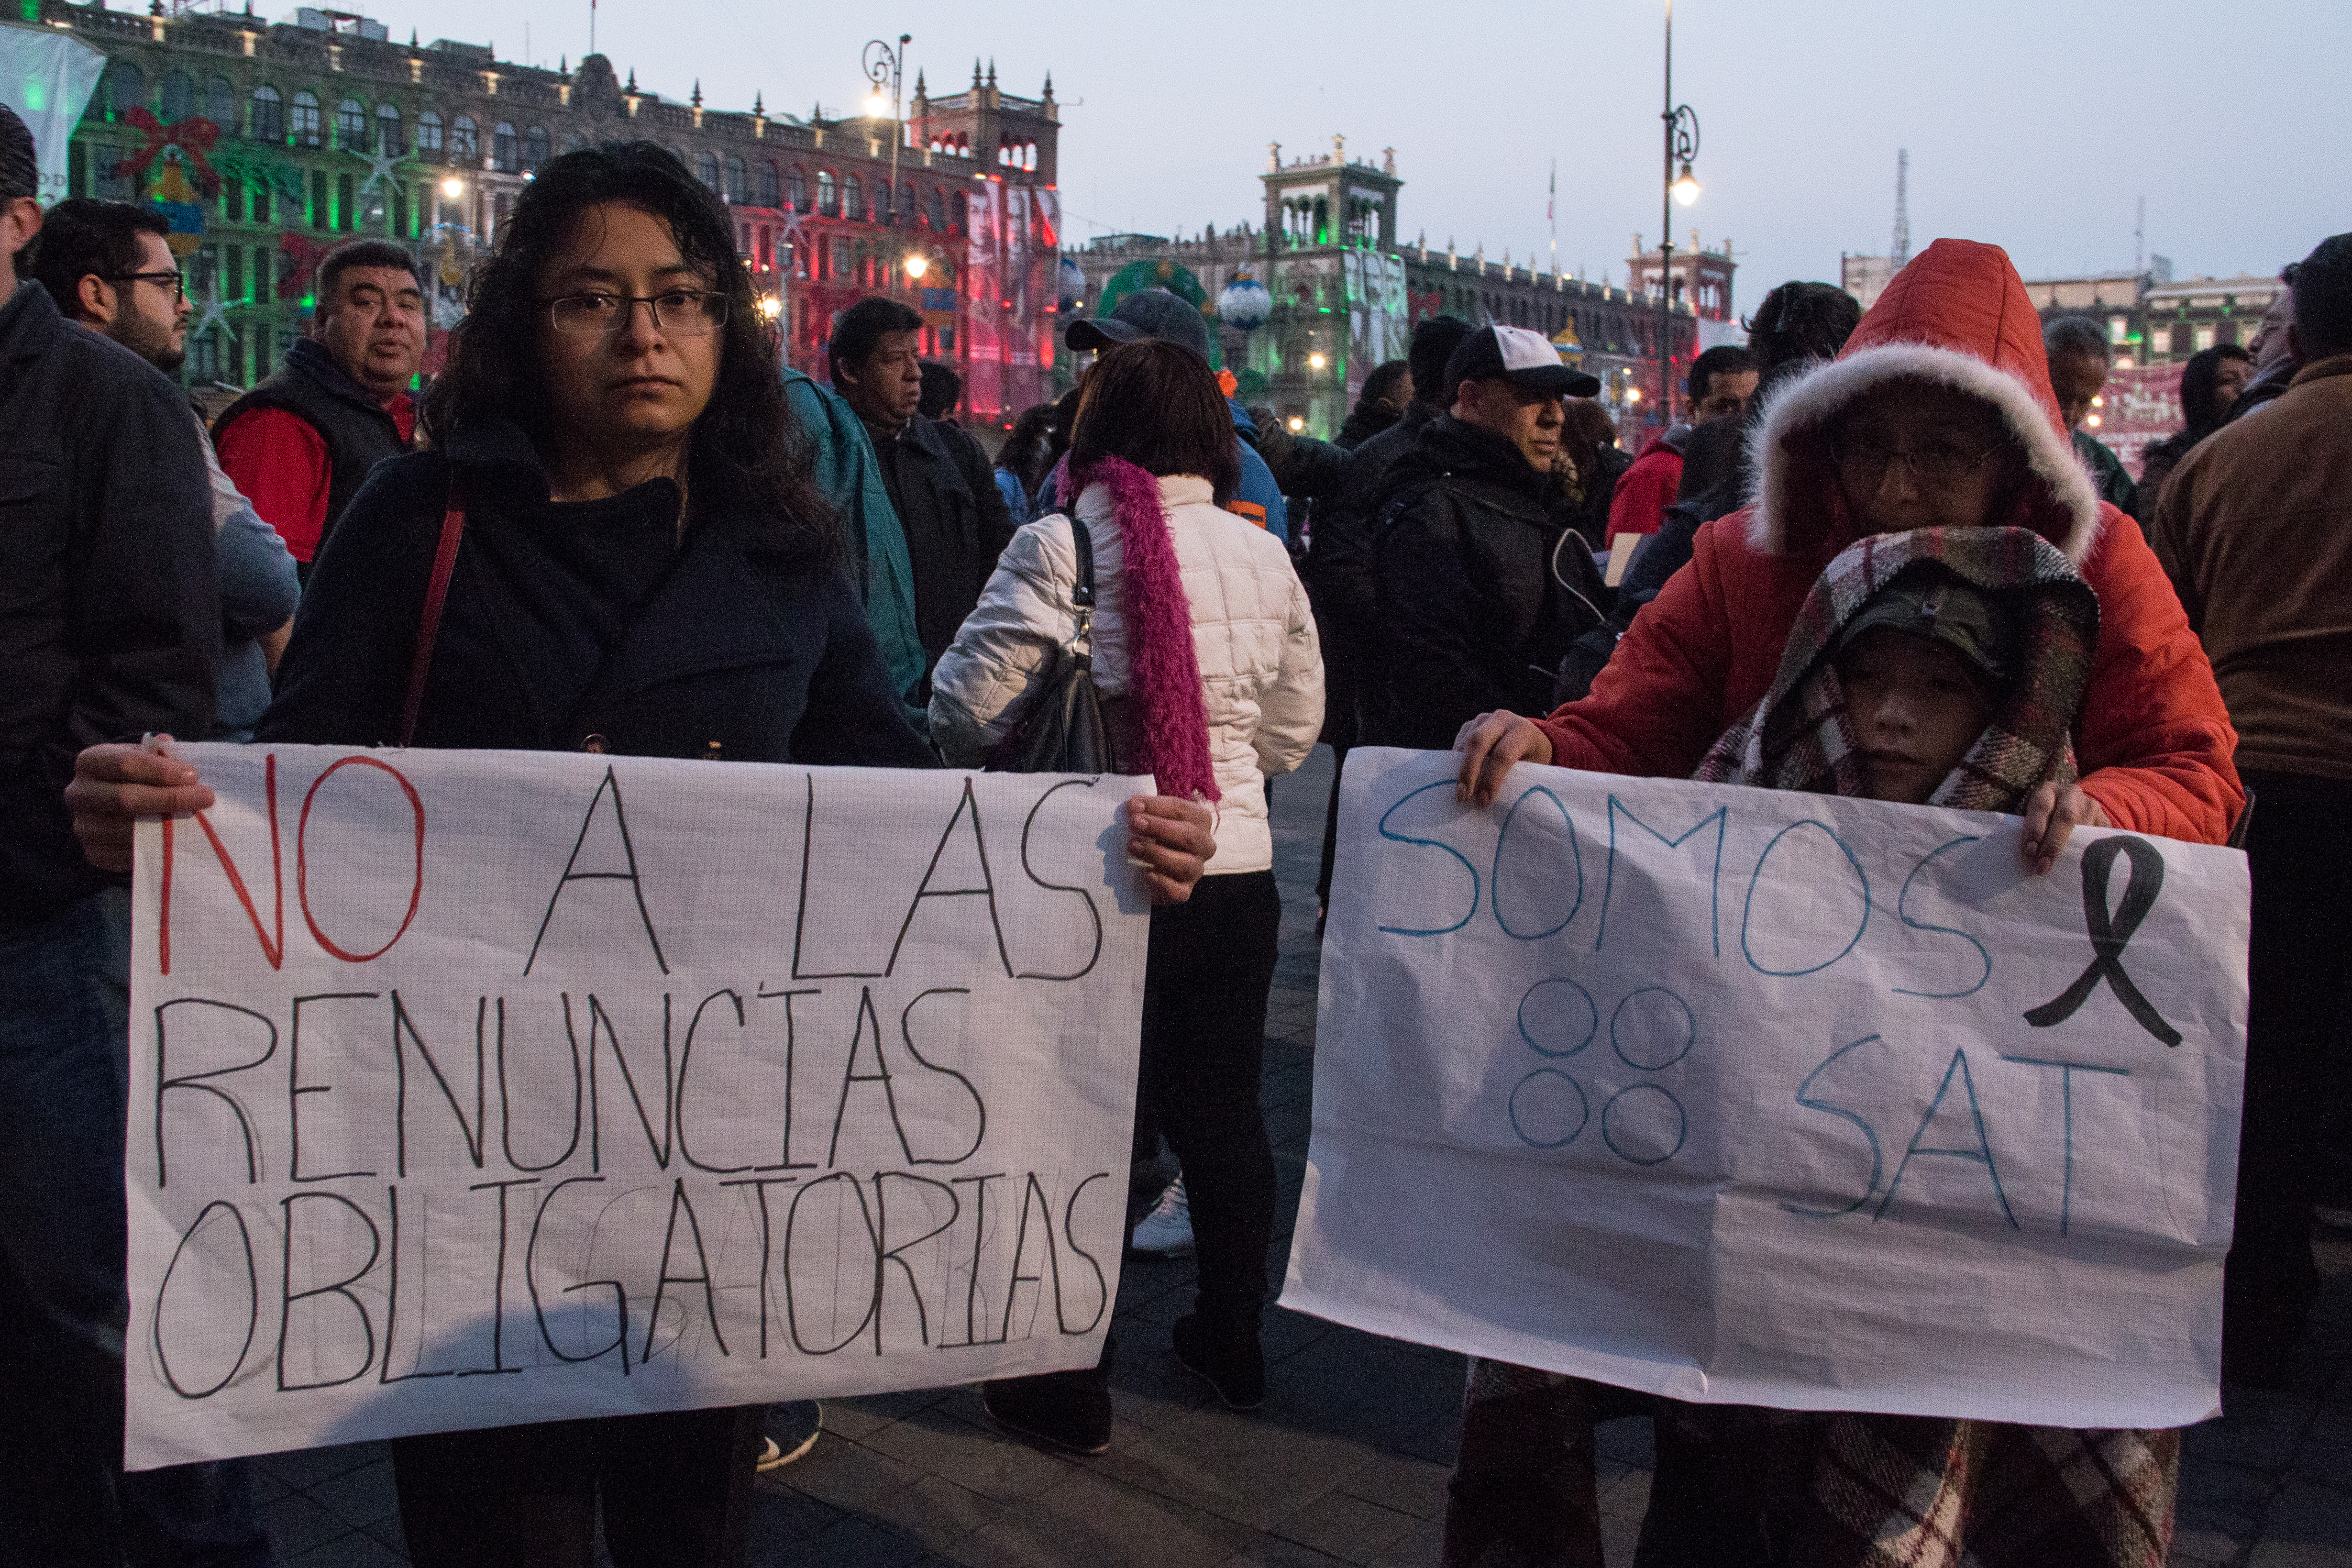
(1939, 415)
(614, 546)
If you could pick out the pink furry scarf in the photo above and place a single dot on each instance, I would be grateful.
(1171, 730)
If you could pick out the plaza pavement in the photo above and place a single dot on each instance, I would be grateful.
(1347, 1463)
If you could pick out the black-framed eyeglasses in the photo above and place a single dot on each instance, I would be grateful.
(177, 282)
(687, 312)
(1938, 462)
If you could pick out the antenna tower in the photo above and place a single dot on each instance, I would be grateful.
(1900, 252)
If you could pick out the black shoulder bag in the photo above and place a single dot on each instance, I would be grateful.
(1063, 731)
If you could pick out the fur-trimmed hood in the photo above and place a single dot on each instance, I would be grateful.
(1959, 316)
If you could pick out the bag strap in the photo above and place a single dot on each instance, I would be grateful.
(437, 595)
(1082, 591)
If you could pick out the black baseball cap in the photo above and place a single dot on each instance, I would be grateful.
(1145, 313)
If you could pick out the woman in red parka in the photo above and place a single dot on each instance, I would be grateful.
(1938, 414)
(2155, 742)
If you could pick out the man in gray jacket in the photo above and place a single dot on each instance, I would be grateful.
(109, 268)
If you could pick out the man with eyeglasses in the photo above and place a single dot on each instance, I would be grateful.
(300, 444)
(110, 629)
(109, 268)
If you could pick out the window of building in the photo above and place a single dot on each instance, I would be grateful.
(852, 198)
(772, 194)
(220, 104)
(828, 203)
(939, 211)
(738, 181)
(389, 138)
(506, 151)
(796, 189)
(959, 212)
(884, 213)
(534, 149)
(306, 119)
(268, 115)
(705, 169)
(2119, 329)
(179, 100)
(1029, 156)
(465, 141)
(351, 125)
(347, 206)
(2204, 337)
(908, 212)
(126, 90)
(204, 356)
(428, 135)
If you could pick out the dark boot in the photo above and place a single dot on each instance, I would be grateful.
(1230, 1359)
(1065, 1410)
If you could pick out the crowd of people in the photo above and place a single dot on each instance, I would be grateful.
(1880, 557)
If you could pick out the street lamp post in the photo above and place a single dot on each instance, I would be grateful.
(1681, 147)
(882, 65)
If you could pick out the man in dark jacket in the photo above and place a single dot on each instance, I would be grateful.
(106, 265)
(110, 629)
(1480, 583)
(299, 445)
(939, 480)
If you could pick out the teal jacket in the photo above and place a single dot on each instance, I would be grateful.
(851, 478)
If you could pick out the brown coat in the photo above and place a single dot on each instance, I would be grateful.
(2255, 528)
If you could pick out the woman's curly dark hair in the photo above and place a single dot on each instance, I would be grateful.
(746, 440)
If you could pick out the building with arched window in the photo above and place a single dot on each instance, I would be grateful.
(297, 104)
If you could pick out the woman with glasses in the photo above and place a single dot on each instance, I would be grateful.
(1938, 415)
(644, 567)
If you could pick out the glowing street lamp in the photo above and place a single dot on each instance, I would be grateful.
(1681, 147)
(453, 188)
(917, 264)
(882, 65)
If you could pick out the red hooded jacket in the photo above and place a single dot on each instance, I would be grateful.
(2154, 742)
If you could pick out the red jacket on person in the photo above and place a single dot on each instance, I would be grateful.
(2153, 742)
(1645, 490)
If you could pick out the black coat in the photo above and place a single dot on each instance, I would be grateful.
(954, 519)
(110, 604)
(568, 622)
(1339, 567)
(1481, 587)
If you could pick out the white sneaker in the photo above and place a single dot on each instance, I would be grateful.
(1167, 1230)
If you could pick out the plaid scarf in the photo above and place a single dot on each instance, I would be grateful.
(1798, 737)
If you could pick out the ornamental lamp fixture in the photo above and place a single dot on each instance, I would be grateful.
(1685, 186)
(918, 264)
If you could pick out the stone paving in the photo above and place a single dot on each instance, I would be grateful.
(1347, 1463)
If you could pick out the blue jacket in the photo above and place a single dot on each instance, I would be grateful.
(851, 478)
(1258, 498)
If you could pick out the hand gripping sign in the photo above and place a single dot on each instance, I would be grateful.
(1765, 1097)
(477, 1087)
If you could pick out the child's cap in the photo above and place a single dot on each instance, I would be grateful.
(1953, 614)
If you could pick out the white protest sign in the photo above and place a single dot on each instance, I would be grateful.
(470, 1089)
(1756, 1097)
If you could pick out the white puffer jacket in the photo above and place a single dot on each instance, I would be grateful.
(1261, 667)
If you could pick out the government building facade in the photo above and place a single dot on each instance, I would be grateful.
(268, 145)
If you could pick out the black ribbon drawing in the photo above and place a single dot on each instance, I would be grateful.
(2110, 932)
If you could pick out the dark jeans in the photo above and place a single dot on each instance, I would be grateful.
(1343, 683)
(2299, 973)
(1204, 987)
(64, 1303)
(674, 1486)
